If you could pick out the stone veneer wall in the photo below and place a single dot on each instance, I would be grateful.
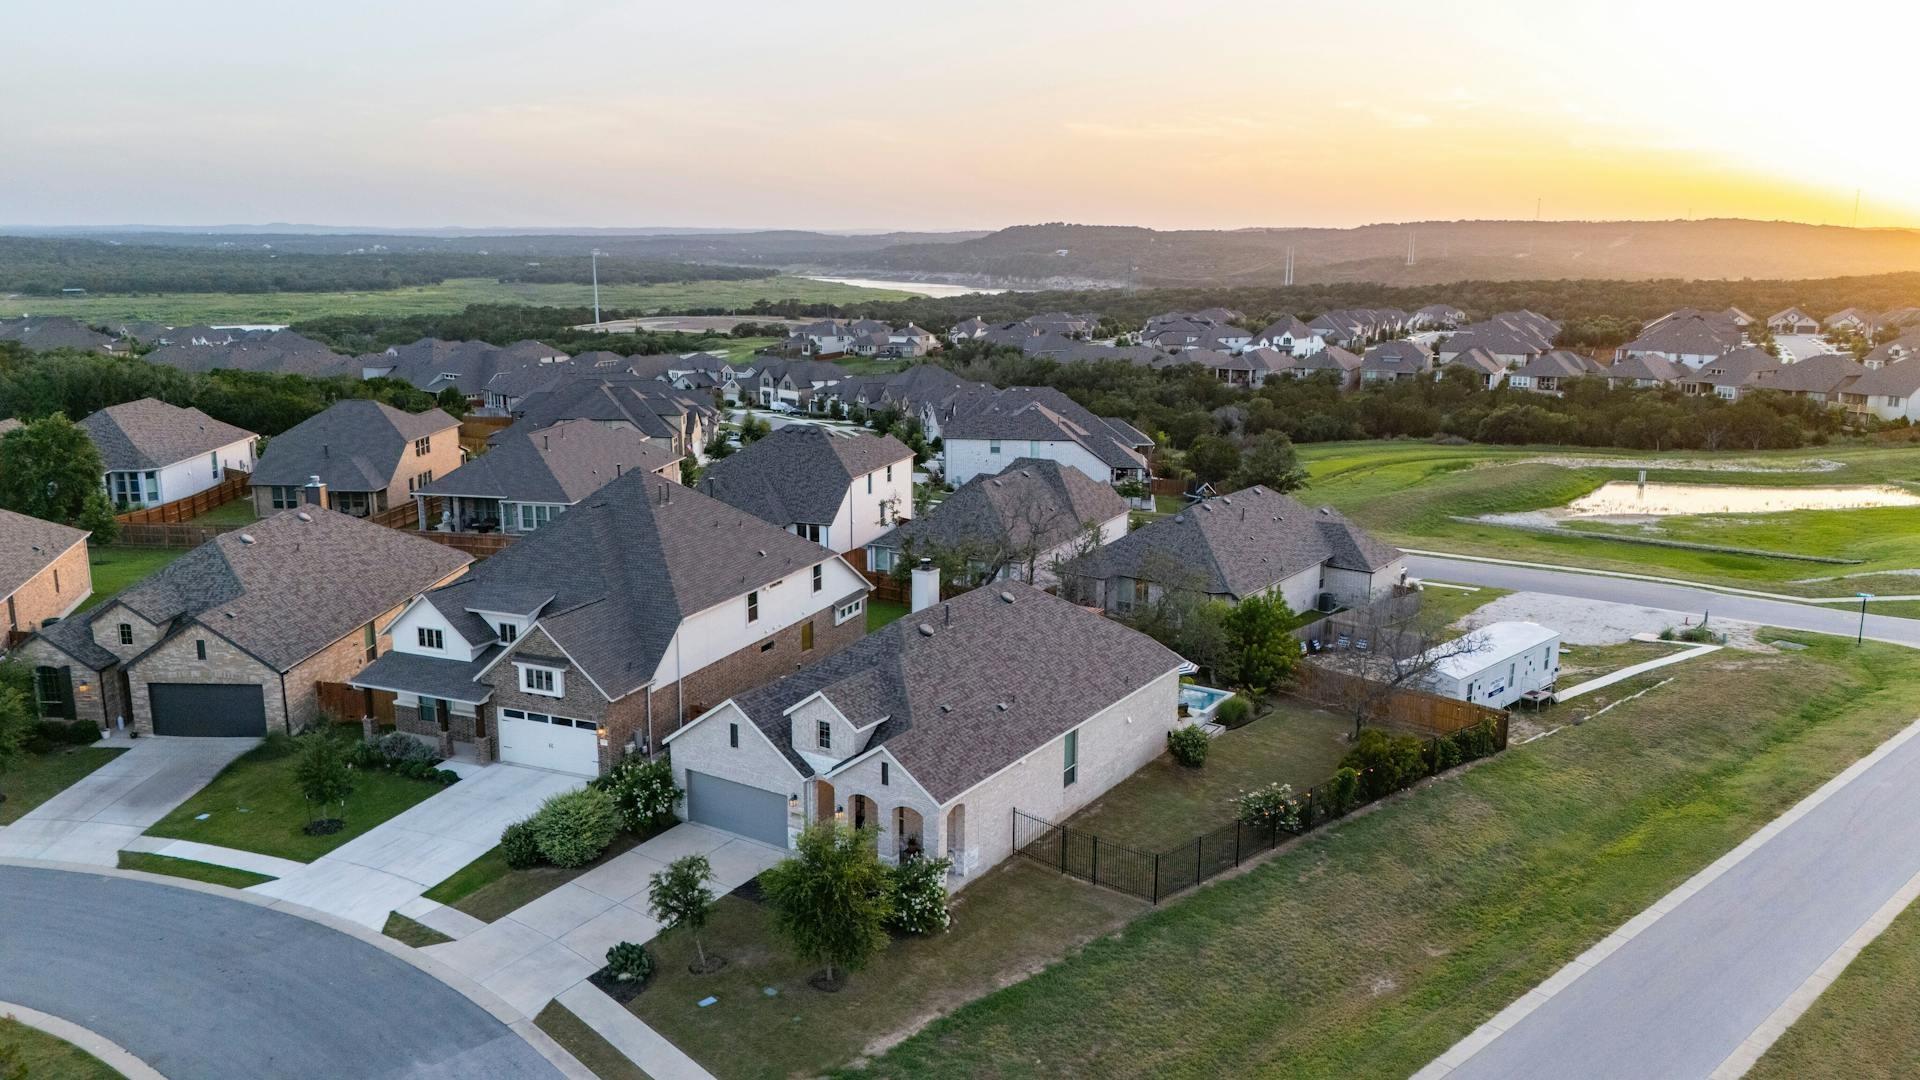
(39, 599)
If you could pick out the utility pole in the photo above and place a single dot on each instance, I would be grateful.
(1409, 248)
(596, 287)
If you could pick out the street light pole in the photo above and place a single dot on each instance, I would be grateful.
(1861, 639)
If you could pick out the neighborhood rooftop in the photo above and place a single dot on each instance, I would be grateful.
(151, 434)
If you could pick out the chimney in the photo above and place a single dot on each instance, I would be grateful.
(316, 492)
(926, 585)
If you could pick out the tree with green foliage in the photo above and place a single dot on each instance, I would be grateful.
(321, 771)
(831, 899)
(1271, 462)
(753, 428)
(679, 896)
(51, 470)
(452, 401)
(16, 712)
(1213, 458)
(1261, 642)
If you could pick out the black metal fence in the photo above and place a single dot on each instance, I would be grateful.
(1154, 877)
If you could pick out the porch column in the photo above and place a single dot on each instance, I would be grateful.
(420, 510)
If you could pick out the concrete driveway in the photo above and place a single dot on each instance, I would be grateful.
(92, 820)
(199, 985)
(394, 862)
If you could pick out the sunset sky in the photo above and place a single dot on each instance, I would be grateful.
(857, 114)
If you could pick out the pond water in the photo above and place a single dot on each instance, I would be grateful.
(923, 288)
(1625, 498)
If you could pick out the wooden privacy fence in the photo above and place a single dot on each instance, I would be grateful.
(170, 535)
(1411, 710)
(349, 703)
(235, 485)
(1167, 485)
(478, 545)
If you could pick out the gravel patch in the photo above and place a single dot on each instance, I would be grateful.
(1598, 622)
(1808, 465)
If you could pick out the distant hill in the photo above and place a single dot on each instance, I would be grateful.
(1064, 254)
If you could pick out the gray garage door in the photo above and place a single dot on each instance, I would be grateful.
(208, 708)
(737, 808)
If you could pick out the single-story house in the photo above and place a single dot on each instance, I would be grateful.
(156, 453)
(1546, 373)
(367, 455)
(911, 733)
(44, 573)
(1890, 393)
(1792, 321)
(529, 477)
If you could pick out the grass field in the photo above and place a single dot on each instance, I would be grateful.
(1415, 493)
(452, 295)
(35, 778)
(190, 869)
(1866, 1026)
(1369, 948)
(34, 1054)
(115, 568)
(882, 612)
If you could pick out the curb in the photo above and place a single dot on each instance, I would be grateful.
(111, 1053)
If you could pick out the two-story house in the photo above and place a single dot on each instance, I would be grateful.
(527, 478)
(838, 489)
(982, 431)
(606, 630)
(156, 453)
(44, 572)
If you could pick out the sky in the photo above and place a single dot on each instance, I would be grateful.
(850, 114)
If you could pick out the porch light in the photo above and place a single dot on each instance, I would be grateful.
(82, 687)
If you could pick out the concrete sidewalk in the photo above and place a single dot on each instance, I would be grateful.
(106, 809)
(1629, 672)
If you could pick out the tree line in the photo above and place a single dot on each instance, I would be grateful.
(499, 324)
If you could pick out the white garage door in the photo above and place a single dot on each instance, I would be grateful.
(549, 742)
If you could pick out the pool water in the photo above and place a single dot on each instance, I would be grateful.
(1202, 699)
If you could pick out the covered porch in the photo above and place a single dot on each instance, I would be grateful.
(901, 831)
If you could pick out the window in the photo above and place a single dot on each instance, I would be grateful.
(134, 488)
(199, 648)
(815, 533)
(541, 680)
(869, 483)
(753, 606)
(819, 576)
(823, 735)
(423, 447)
(733, 735)
(883, 774)
(889, 474)
(533, 516)
(283, 496)
(848, 610)
(509, 632)
(56, 581)
(213, 460)
(415, 483)
(369, 641)
(1072, 771)
(881, 559)
(993, 446)
(767, 646)
(126, 633)
(431, 638)
(50, 686)
(806, 636)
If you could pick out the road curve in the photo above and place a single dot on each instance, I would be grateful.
(1781, 613)
(198, 985)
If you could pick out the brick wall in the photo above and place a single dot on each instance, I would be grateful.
(751, 667)
(99, 702)
(42, 597)
(106, 632)
(175, 661)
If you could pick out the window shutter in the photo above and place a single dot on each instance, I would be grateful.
(67, 709)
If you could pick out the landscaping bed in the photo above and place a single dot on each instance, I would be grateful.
(255, 804)
(191, 869)
(35, 778)
(1369, 948)
(35, 1054)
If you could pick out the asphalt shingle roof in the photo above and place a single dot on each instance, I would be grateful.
(352, 445)
(1039, 413)
(1032, 502)
(800, 473)
(560, 464)
(151, 434)
(29, 545)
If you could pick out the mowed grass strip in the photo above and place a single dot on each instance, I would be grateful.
(35, 778)
(1866, 1026)
(36, 1054)
(191, 869)
(116, 568)
(589, 1047)
(1371, 947)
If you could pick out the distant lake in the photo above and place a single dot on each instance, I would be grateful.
(920, 288)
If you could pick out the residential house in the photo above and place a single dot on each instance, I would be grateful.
(1549, 372)
(1017, 524)
(41, 334)
(1643, 371)
(1289, 335)
(684, 420)
(1902, 317)
(1513, 338)
(1792, 321)
(803, 384)
(835, 488)
(1890, 393)
(233, 637)
(626, 617)
(1392, 361)
(1693, 341)
(933, 731)
(825, 339)
(366, 456)
(156, 453)
(1483, 367)
(1734, 375)
(1904, 347)
(1251, 367)
(983, 430)
(1342, 364)
(1254, 542)
(1854, 320)
(1821, 378)
(967, 329)
(434, 365)
(1508, 661)
(279, 352)
(530, 476)
(1437, 317)
(44, 572)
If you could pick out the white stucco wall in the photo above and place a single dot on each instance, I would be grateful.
(720, 631)
(858, 522)
(968, 458)
(197, 474)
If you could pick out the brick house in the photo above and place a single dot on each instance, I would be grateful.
(369, 455)
(44, 572)
(935, 729)
(608, 628)
(232, 637)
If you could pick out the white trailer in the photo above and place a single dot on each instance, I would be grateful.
(1512, 659)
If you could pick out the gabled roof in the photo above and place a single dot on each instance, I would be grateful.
(651, 407)
(291, 584)
(800, 473)
(29, 545)
(1287, 326)
(54, 332)
(1828, 373)
(1745, 366)
(1238, 545)
(1689, 335)
(560, 464)
(1901, 380)
(433, 365)
(352, 445)
(1792, 314)
(950, 707)
(1331, 358)
(1396, 356)
(282, 351)
(1478, 359)
(151, 434)
(626, 566)
(1032, 503)
(1036, 413)
(1645, 367)
(1560, 364)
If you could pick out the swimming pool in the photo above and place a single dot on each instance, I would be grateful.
(1202, 700)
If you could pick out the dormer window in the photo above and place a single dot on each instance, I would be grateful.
(126, 633)
(545, 681)
(431, 638)
(509, 633)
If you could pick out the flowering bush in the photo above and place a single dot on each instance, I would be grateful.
(643, 791)
(919, 891)
(1268, 807)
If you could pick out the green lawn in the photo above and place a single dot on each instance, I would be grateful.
(116, 568)
(452, 295)
(587, 1046)
(190, 869)
(1369, 948)
(35, 778)
(1579, 663)
(1018, 918)
(1414, 494)
(33, 1054)
(882, 612)
(487, 888)
(254, 805)
(1167, 804)
(237, 512)
(1865, 1026)
(410, 932)
(1451, 605)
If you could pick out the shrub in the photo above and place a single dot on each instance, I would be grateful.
(399, 747)
(519, 847)
(628, 962)
(1446, 754)
(1188, 745)
(1233, 712)
(919, 893)
(1342, 790)
(574, 827)
(1269, 807)
(642, 791)
(447, 777)
(366, 755)
(1386, 763)
(1478, 741)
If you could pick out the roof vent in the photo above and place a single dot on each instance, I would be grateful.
(304, 516)
(246, 538)
(946, 708)
(1324, 512)
(762, 554)
(1002, 707)
(925, 630)
(1007, 596)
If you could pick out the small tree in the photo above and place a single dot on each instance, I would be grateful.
(678, 896)
(452, 401)
(1261, 642)
(322, 773)
(1271, 462)
(16, 715)
(830, 901)
(1401, 654)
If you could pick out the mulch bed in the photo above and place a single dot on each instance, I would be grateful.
(324, 827)
(620, 990)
